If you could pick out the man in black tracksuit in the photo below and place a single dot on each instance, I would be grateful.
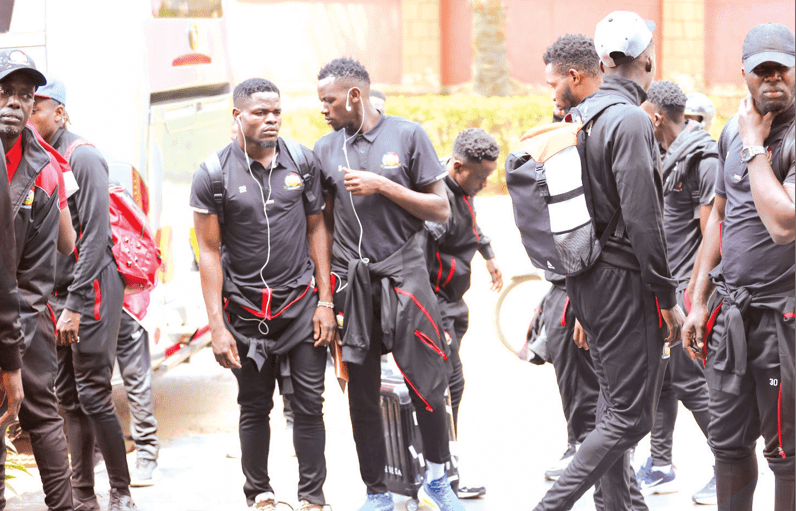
(689, 174)
(11, 340)
(37, 194)
(572, 70)
(748, 255)
(624, 299)
(382, 179)
(450, 252)
(261, 241)
(87, 299)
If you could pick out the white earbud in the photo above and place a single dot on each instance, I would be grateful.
(347, 106)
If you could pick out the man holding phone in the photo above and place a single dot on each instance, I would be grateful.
(750, 334)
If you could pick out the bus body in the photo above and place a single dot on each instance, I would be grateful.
(149, 84)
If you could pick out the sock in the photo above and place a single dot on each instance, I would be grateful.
(662, 468)
(435, 471)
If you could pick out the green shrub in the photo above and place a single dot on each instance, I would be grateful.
(443, 117)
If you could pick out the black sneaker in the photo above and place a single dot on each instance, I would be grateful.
(470, 492)
(88, 503)
(120, 502)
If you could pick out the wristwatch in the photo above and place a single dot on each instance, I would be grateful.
(747, 153)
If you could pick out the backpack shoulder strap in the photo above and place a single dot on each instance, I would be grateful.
(213, 165)
(787, 151)
(74, 145)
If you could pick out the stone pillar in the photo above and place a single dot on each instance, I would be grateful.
(683, 34)
(422, 59)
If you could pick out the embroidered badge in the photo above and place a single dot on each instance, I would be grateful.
(390, 161)
(293, 181)
(18, 57)
(679, 187)
(770, 155)
(29, 199)
(242, 189)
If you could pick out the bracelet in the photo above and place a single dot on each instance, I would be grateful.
(328, 305)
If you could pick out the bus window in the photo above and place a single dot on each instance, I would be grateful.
(187, 8)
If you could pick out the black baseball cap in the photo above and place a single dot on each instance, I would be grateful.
(769, 42)
(13, 61)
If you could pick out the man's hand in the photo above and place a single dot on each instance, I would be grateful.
(225, 349)
(67, 328)
(12, 386)
(579, 336)
(753, 127)
(495, 274)
(694, 331)
(362, 182)
(674, 319)
(324, 326)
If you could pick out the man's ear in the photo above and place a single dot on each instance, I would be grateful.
(648, 65)
(59, 113)
(602, 67)
(574, 75)
(657, 119)
(743, 72)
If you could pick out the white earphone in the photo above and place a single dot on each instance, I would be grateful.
(348, 165)
(265, 212)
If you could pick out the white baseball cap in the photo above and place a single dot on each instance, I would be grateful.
(621, 37)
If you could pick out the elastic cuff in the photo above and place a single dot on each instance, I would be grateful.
(75, 302)
(487, 252)
(667, 300)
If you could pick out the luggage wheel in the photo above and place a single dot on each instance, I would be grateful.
(412, 504)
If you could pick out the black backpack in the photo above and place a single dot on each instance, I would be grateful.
(547, 178)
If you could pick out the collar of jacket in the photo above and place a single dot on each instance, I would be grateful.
(624, 87)
(693, 140)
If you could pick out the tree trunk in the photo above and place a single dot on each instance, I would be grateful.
(490, 66)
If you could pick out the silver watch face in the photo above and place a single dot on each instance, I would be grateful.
(747, 153)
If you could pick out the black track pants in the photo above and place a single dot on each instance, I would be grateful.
(39, 416)
(575, 375)
(256, 399)
(135, 365)
(622, 323)
(764, 407)
(685, 382)
(365, 406)
(455, 321)
(83, 386)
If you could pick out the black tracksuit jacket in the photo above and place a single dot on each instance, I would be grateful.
(453, 244)
(10, 328)
(36, 229)
(89, 207)
(621, 176)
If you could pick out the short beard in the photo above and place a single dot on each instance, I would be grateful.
(9, 132)
(267, 144)
(568, 99)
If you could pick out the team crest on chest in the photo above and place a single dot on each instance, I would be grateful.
(770, 156)
(390, 161)
(293, 181)
(29, 199)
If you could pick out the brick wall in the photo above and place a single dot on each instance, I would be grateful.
(421, 44)
(683, 52)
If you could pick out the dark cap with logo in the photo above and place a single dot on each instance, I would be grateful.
(769, 42)
(13, 61)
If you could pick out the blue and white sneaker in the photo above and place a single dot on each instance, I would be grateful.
(652, 480)
(438, 495)
(707, 495)
(378, 502)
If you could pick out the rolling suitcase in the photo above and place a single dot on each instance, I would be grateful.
(406, 466)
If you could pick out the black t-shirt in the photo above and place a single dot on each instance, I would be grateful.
(395, 148)
(750, 258)
(681, 214)
(245, 229)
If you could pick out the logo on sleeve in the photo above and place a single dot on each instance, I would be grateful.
(293, 182)
(29, 199)
(390, 161)
(770, 156)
